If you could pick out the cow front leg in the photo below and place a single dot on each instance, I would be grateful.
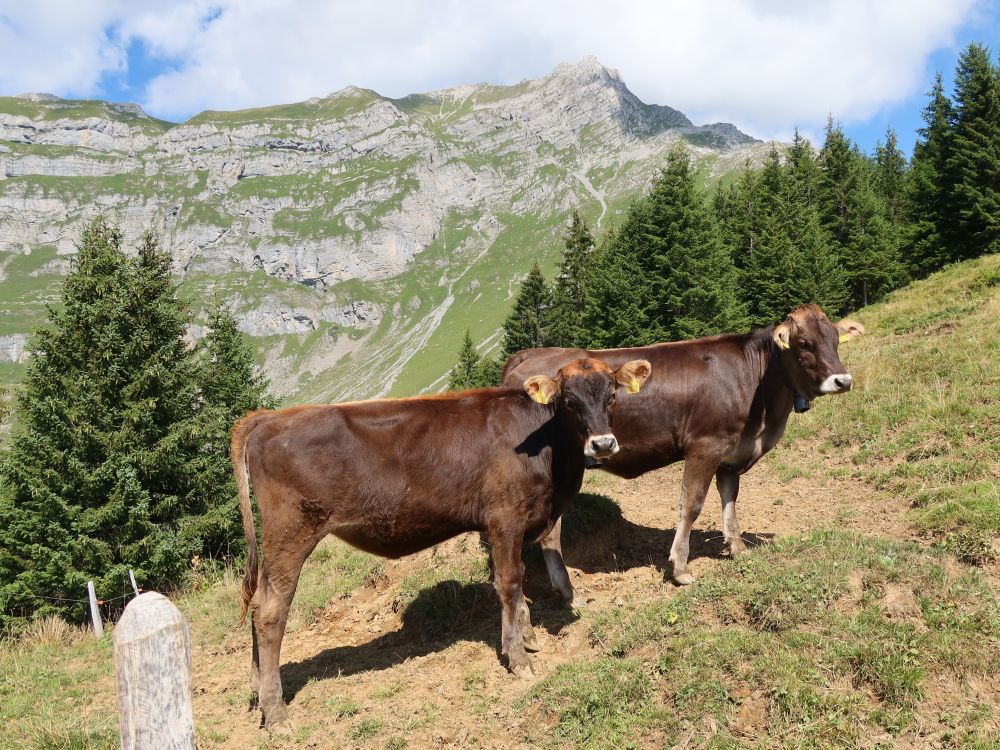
(508, 579)
(698, 473)
(555, 564)
(727, 481)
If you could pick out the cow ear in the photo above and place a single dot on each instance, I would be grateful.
(541, 388)
(849, 329)
(782, 334)
(633, 374)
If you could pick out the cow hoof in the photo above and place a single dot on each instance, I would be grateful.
(281, 728)
(577, 602)
(522, 671)
(530, 641)
(683, 579)
(737, 549)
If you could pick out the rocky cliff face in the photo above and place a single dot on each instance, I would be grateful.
(350, 229)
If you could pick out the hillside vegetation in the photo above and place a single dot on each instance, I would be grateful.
(852, 629)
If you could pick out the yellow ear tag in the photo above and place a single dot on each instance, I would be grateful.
(845, 337)
(782, 344)
(540, 397)
(633, 385)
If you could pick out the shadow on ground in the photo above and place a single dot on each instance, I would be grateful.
(596, 539)
(440, 615)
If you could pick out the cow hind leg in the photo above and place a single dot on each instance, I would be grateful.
(698, 473)
(270, 606)
(556, 566)
(254, 668)
(508, 578)
(727, 481)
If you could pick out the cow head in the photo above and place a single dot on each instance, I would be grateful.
(583, 392)
(808, 344)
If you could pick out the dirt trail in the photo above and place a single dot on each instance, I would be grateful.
(366, 674)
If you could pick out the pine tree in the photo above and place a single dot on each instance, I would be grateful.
(472, 370)
(890, 180)
(100, 472)
(973, 163)
(805, 171)
(569, 290)
(526, 325)
(929, 188)
(616, 313)
(871, 255)
(838, 181)
(231, 384)
(692, 278)
(794, 260)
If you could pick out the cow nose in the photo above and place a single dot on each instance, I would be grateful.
(843, 382)
(603, 445)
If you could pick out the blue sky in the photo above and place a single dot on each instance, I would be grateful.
(766, 65)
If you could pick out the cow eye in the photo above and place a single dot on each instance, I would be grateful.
(803, 344)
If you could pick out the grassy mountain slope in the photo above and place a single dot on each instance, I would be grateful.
(850, 633)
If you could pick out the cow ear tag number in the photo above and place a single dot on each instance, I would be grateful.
(633, 385)
(845, 337)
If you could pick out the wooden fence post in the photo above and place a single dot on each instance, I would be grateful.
(153, 662)
(95, 610)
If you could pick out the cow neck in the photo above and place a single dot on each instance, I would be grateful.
(567, 446)
(774, 385)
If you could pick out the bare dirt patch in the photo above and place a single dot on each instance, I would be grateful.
(374, 671)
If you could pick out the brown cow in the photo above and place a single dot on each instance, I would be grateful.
(394, 477)
(717, 403)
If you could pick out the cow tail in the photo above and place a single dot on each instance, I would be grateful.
(238, 453)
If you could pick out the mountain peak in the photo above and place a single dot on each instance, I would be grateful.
(589, 66)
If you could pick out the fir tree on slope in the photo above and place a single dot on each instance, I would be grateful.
(565, 326)
(231, 384)
(973, 162)
(793, 260)
(928, 188)
(693, 280)
(617, 312)
(527, 324)
(472, 370)
(891, 180)
(100, 475)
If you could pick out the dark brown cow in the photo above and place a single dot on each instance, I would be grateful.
(717, 403)
(394, 477)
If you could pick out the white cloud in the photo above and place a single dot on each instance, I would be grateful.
(764, 64)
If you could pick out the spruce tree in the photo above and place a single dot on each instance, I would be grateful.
(100, 473)
(838, 179)
(526, 325)
(871, 256)
(794, 259)
(618, 300)
(890, 179)
(973, 163)
(230, 385)
(929, 187)
(472, 370)
(692, 278)
(565, 326)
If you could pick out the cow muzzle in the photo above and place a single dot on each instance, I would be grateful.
(837, 383)
(601, 446)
